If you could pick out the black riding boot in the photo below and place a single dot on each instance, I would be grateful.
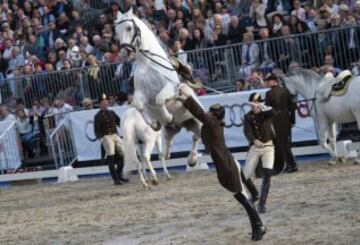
(120, 167)
(265, 186)
(257, 227)
(251, 187)
(112, 163)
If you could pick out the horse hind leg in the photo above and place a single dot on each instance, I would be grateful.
(323, 142)
(161, 155)
(160, 100)
(140, 165)
(146, 157)
(332, 143)
(357, 116)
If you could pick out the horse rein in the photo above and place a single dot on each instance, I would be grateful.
(146, 53)
(137, 33)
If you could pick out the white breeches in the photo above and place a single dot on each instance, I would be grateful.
(266, 154)
(112, 143)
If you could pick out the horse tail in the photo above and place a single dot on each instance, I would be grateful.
(128, 126)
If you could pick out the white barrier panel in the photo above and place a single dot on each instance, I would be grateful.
(88, 148)
(10, 157)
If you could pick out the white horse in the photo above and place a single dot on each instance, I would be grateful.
(336, 109)
(155, 82)
(137, 131)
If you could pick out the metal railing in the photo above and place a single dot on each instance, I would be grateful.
(62, 144)
(217, 67)
(10, 147)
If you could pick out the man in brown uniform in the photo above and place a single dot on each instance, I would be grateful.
(228, 171)
(106, 122)
(281, 101)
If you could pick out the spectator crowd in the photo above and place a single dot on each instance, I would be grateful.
(42, 41)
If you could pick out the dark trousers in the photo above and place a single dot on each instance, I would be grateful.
(283, 153)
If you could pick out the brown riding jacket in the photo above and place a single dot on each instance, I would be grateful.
(212, 136)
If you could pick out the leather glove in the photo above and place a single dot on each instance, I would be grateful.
(259, 144)
(185, 90)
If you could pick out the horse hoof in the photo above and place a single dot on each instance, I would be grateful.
(154, 182)
(357, 161)
(332, 162)
(144, 185)
(156, 126)
(342, 160)
(192, 163)
(168, 177)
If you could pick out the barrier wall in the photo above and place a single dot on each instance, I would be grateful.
(88, 147)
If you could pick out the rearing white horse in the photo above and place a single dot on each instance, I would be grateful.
(337, 109)
(155, 82)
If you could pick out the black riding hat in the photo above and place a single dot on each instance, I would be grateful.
(255, 97)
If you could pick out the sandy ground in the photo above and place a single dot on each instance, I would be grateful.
(318, 205)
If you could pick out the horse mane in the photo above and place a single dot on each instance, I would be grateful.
(306, 74)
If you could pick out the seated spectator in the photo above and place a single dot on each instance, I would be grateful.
(287, 48)
(25, 128)
(179, 53)
(60, 109)
(298, 10)
(219, 37)
(112, 101)
(241, 85)
(235, 32)
(266, 49)
(85, 45)
(277, 23)
(282, 7)
(355, 70)
(87, 104)
(257, 13)
(16, 60)
(249, 55)
(311, 19)
(329, 65)
(5, 114)
(255, 80)
(293, 22)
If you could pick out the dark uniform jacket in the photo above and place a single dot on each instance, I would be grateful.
(105, 123)
(212, 136)
(259, 126)
(281, 101)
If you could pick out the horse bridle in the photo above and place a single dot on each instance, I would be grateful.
(134, 44)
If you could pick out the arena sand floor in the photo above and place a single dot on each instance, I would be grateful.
(320, 204)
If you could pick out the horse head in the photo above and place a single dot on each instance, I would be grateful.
(128, 33)
(302, 81)
(290, 84)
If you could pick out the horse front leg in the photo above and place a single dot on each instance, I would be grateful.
(169, 134)
(324, 129)
(332, 142)
(139, 104)
(195, 128)
(164, 95)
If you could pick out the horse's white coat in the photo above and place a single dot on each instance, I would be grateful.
(338, 109)
(135, 129)
(155, 85)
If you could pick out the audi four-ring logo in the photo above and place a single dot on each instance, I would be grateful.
(89, 131)
(234, 115)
